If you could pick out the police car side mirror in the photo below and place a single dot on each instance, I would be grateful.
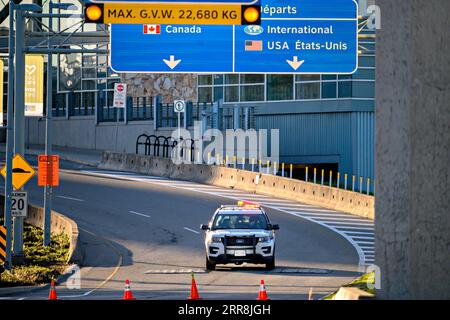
(204, 227)
(275, 227)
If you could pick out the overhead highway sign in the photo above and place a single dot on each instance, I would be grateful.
(295, 36)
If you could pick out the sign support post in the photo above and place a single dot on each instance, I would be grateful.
(48, 134)
(19, 118)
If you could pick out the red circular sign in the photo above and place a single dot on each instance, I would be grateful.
(120, 87)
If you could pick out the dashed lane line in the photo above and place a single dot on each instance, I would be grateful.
(70, 198)
(139, 214)
(188, 229)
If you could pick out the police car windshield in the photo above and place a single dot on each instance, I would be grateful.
(239, 221)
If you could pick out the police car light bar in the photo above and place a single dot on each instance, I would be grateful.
(248, 204)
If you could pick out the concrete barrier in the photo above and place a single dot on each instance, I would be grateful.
(59, 224)
(297, 190)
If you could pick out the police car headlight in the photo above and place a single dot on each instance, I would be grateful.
(265, 239)
(216, 239)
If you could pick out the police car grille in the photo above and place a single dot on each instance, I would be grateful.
(241, 241)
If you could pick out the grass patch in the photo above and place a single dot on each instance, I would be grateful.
(360, 283)
(41, 263)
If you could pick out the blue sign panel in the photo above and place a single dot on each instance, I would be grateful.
(246, 2)
(295, 36)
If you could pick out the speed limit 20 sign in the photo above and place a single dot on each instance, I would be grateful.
(19, 204)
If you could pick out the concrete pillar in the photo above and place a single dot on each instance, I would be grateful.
(412, 229)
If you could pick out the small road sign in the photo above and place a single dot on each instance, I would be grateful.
(48, 170)
(19, 204)
(21, 172)
(120, 95)
(2, 244)
(179, 106)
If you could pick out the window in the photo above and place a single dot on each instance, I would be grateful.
(304, 91)
(232, 79)
(252, 93)
(252, 78)
(205, 80)
(363, 89)
(307, 77)
(328, 90)
(218, 93)
(283, 87)
(205, 94)
(345, 89)
(280, 87)
(231, 94)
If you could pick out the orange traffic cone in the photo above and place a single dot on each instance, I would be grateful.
(194, 292)
(52, 295)
(262, 292)
(127, 294)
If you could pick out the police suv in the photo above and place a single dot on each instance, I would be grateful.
(240, 233)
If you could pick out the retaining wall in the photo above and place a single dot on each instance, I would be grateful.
(309, 193)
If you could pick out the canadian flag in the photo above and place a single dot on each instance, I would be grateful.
(152, 29)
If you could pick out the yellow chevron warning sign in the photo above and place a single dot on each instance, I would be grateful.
(2, 244)
(21, 172)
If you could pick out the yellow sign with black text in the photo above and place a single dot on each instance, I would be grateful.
(202, 14)
(34, 86)
(21, 172)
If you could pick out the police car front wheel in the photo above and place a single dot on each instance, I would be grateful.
(210, 265)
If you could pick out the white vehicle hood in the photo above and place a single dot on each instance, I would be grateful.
(240, 233)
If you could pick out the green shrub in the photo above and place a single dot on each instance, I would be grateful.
(41, 263)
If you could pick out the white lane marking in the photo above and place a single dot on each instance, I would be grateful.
(326, 216)
(342, 228)
(346, 223)
(364, 242)
(139, 214)
(350, 220)
(191, 230)
(365, 234)
(70, 198)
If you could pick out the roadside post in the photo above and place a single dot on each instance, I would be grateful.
(179, 107)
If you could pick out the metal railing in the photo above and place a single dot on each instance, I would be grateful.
(165, 147)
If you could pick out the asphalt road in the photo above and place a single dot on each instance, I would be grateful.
(147, 230)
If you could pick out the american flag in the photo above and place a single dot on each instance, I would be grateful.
(253, 45)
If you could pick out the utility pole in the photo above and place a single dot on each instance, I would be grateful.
(9, 137)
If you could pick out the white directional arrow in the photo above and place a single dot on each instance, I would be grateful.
(295, 64)
(172, 63)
